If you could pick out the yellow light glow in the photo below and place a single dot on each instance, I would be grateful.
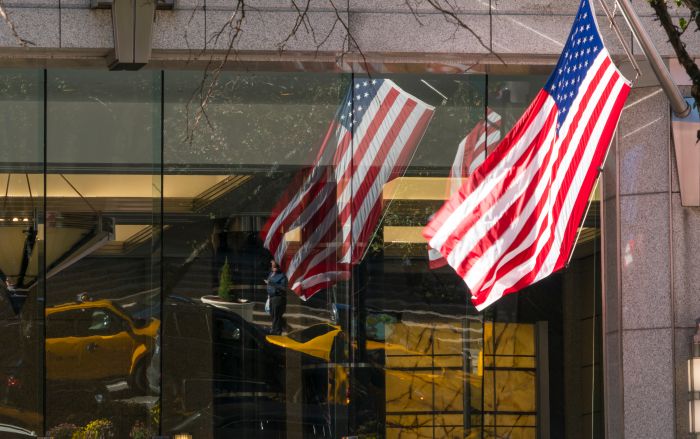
(293, 235)
(417, 188)
(14, 220)
(404, 234)
(123, 232)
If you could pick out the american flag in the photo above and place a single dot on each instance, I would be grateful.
(474, 148)
(471, 152)
(334, 208)
(514, 220)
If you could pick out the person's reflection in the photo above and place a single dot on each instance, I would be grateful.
(277, 293)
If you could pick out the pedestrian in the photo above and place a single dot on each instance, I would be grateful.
(277, 294)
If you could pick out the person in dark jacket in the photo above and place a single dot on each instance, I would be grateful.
(277, 292)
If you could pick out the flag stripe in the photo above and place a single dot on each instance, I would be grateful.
(514, 220)
(366, 144)
(544, 208)
(546, 242)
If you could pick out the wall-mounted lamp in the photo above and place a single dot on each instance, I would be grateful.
(694, 383)
(182, 436)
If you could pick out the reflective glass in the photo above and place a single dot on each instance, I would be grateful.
(102, 258)
(265, 275)
(21, 252)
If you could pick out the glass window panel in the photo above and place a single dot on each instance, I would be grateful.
(102, 259)
(21, 253)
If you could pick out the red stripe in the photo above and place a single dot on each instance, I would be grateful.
(558, 205)
(284, 226)
(531, 221)
(582, 201)
(528, 253)
(492, 198)
(357, 198)
(370, 134)
(576, 215)
(370, 224)
(478, 176)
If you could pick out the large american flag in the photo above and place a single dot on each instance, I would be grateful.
(471, 152)
(514, 220)
(327, 217)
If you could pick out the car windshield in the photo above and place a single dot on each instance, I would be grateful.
(304, 335)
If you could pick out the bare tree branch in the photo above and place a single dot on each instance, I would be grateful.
(232, 28)
(11, 25)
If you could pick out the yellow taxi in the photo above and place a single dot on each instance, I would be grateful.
(97, 340)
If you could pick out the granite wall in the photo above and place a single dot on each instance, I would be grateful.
(511, 28)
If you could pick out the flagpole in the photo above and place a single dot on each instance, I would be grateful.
(679, 106)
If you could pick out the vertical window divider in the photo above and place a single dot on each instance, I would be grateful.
(161, 249)
(42, 268)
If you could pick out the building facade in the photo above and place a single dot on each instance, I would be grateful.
(130, 195)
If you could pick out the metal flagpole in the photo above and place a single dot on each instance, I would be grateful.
(618, 33)
(678, 104)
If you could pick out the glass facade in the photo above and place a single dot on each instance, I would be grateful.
(138, 233)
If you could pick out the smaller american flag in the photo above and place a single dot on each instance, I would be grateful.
(336, 205)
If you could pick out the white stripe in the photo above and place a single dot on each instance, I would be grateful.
(350, 190)
(474, 277)
(327, 252)
(493, 216)
(313, 178)
(492, 179)
(310, 244)
(577, 181)
(397, 148)
(305, 216)
(361, 130)
(513, 276)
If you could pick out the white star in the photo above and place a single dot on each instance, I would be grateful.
(585, 14)
(349, 103)
(357, 85)
(365, 83)
(350, 114)
(595, 48)
(374, 81)
(366, 94)
(359, 108)
(342, 117)
(358, 97)
(590, 38)
(560, 70)
(571, 94)
(588, 50)
(586, 64)
(553, 87)
(588, 26)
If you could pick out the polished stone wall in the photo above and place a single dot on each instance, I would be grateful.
(651, 275)
(505, 27)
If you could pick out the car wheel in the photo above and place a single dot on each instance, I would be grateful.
(138, 381)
